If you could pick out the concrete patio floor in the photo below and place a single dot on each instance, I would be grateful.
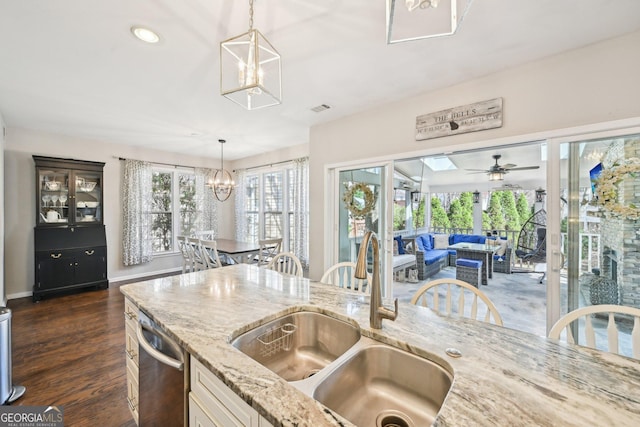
(521, 301)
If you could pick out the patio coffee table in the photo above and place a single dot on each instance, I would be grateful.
(478, 251)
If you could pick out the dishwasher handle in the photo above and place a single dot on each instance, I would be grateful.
(153, 352)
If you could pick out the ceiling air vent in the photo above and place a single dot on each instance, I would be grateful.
(320, 108)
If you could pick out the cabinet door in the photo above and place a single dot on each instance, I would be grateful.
(54, 269)
(88, 197)
(52, 196)
(90, 265)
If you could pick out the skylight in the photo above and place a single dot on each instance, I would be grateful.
(437, 164)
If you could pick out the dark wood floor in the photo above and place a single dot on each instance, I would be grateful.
(69, 351)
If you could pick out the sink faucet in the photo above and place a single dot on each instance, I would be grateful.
(377, 311)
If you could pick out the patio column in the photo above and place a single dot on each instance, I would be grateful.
(477, 218)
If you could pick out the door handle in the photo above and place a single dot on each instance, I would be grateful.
(163, 358)
(56, 256)
(89, 252)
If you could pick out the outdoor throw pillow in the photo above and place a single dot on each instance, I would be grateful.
(503, 247)
(440, 241)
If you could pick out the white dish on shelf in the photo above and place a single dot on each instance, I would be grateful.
(62, 220)
(52, 185)
(92, 204)
(81, 204)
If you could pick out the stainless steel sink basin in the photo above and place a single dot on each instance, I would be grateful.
(298, 345)
(382, 386)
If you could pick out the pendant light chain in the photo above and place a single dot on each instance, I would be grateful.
(250, 15)
(221, 141)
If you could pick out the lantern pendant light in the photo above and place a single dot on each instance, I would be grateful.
(250, 69)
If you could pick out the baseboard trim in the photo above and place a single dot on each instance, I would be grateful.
(20, 295)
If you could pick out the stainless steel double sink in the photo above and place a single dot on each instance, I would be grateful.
(365, 381)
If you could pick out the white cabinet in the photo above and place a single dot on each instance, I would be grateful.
(213, 404)
(131, 354)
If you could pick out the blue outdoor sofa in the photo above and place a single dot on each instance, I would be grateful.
(430, 261)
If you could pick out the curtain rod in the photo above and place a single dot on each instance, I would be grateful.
(267, 164)
(158, 163)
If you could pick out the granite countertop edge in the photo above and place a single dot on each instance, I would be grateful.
(504, 377)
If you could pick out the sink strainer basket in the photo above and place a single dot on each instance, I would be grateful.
(276, 339)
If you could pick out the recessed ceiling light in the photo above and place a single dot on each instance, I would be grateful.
(145, 34)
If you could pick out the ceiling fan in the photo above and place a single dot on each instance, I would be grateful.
(497, 172)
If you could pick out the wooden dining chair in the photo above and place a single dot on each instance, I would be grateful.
(199, 263)
(287, 263)
(209, 252)
(205, 234)
(342, 275)
(187, 254)
(586, 313)
(269, 248)
(429, 296)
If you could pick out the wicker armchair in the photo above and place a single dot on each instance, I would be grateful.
(504, 266)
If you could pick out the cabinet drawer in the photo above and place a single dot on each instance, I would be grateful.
(131, 344)
(130, 312)
(132, 393)
(219, 400)
(198, 416)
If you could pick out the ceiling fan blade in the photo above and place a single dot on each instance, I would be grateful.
(477, 170)
(524, 168)
(508, 166)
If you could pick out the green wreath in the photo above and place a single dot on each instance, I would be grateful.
(359, 200)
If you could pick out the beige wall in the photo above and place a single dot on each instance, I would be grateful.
(591, 85)
(227, 224)
(19, 218)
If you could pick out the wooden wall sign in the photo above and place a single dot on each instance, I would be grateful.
(468, 118)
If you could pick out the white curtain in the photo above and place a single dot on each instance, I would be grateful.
(206, 203)
(137, 201)
(300, 238)
(241, 203)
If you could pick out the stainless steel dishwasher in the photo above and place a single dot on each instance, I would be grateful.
(163, 377)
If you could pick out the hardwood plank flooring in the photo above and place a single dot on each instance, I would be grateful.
(69, 351)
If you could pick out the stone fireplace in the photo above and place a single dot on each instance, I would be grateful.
(620, 238)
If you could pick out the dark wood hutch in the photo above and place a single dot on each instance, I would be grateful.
(70, 240)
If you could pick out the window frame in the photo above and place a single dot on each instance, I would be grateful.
(176, 212)
(285, 213)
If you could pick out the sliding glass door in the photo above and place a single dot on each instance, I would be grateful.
(362, 206)
(599, 227)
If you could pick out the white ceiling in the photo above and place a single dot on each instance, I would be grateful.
(73, 67)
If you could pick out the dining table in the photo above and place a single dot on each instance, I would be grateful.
(240, 252)
(477, 251)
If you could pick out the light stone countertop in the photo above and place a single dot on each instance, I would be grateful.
(504, 377)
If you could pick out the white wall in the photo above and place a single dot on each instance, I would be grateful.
(3, 299)
(19, 218)
(595, 84)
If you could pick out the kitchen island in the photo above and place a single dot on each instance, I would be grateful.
(504, 377)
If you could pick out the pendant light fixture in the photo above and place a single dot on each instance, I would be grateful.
(409, 20)
(250, 71)
(222, 184)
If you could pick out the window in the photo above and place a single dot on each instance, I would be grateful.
(175, 209)
(252, 207)
(272, 207)
(161, 212)
(268, 207)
